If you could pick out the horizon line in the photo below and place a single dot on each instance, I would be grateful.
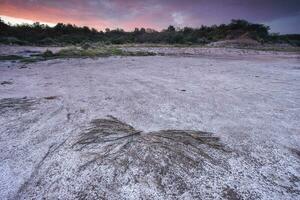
(22, 21)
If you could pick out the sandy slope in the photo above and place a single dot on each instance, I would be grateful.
(116, 128)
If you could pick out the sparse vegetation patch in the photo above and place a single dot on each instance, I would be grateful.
(76, 52)
(10, 57)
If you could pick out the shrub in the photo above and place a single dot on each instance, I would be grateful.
(48, 53)
(47, 41)
(12, 40)
(86, 46)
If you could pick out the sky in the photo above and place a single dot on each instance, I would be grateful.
(283, 16)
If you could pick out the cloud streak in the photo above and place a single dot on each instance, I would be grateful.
(156, 14)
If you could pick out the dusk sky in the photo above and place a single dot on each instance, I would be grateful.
(282, 15)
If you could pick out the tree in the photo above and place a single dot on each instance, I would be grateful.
(143, 30)
(171, 29)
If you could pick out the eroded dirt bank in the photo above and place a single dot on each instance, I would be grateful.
(150, 127)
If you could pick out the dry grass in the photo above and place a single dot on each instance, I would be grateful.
(110, 139)
(16, 104)
(93, 52)
(51, 97)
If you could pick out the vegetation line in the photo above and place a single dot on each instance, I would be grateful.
(76, 52)
(66, 34)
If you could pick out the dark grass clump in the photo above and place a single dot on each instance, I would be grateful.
(48, 53)
(10, 57)
(51, 97)
(6, 83)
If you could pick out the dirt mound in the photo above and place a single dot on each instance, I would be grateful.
(236, 41)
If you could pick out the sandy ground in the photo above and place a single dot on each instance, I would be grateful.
(160, 127)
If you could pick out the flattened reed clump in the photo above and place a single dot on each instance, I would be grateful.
(24, 104)
(105, 130)
(110, 139)
(110, 155)
(16, 104)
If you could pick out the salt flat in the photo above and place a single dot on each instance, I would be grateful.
(157, 127)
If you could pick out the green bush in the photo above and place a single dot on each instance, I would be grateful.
(47, 41)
